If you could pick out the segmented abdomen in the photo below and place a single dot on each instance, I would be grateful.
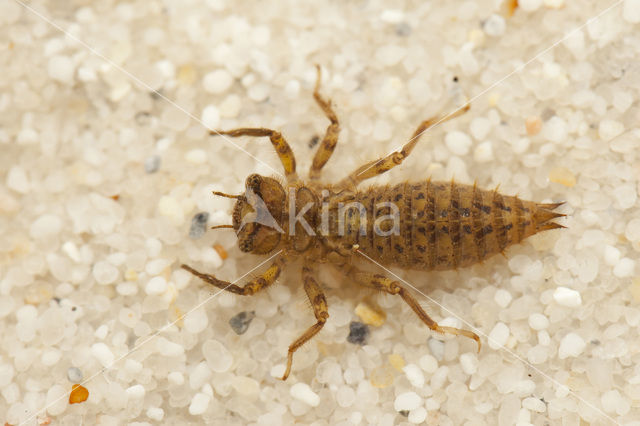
(444, 225)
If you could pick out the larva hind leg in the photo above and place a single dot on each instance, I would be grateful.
(384, 164)
(285, 154)
(382, 283)
(320, 310)
(331, 135)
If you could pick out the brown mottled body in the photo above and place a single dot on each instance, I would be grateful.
(423, 225)
(442, 225)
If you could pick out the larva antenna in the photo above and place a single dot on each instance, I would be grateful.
(222, 226)
(222, 194)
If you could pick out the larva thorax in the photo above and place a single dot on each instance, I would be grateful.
(422, 225)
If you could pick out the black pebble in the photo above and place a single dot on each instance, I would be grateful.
(198, 225)
(358, 333)
(240, 322)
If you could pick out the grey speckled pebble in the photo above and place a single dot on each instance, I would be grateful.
(240, 322)
(152, 164)
(74, 375)
(198, 225)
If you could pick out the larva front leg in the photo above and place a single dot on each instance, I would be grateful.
(382, 283)
(287, 158)
(265, 279)
(382, 165)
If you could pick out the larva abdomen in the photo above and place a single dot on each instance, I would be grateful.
(446, 225)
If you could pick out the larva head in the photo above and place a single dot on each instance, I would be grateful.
(258, 215)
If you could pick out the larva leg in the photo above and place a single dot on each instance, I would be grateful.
(382, 283)
(320, 310)
(331, 135)
(267, 278)
(382, 165)
(279, 143)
